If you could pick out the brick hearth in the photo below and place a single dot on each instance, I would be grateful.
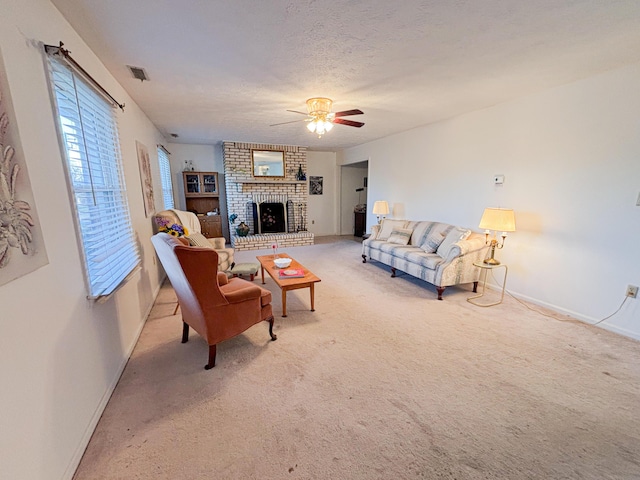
(266, 240)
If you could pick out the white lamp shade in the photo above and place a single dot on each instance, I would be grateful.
(381, 207)
(498, 219)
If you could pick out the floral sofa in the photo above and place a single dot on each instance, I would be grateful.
(438, 253)
(194, 236)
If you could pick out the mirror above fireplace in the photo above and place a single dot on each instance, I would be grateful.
(267, 163)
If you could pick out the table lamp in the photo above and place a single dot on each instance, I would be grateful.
(499, 220)
(380, 208)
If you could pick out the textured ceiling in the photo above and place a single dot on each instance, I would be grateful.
(226, 70)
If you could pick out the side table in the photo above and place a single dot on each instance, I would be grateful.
(485, 267)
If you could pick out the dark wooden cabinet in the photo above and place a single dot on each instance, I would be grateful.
(211, 225)
(360, 224)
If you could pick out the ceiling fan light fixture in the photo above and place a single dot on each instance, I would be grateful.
(320, 119)
(319, 106)
(319, 125)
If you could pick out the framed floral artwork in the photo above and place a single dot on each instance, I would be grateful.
(146, 179)
(22, 248)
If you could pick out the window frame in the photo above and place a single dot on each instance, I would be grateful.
(87, 127)
(165, 178)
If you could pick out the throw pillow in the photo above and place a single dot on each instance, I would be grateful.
(455, 235)
(388, 226)
(197, 239)
(400, 236)
(435, 237)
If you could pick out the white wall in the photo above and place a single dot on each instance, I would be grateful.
(322, 208)
(570, 156)
(205, 158)
(61, 355)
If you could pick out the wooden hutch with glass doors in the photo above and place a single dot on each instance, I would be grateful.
(202, 197)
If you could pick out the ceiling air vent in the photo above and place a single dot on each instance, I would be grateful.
(138, 72)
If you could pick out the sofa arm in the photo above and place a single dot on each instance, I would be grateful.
(225, 255)
(244, 294)
(218, 243)
(458, 266)
(474, 243)
(375, 231)
(226, 258)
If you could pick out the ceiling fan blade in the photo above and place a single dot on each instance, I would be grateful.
(348, 122)
(295, 111)
(349, 112)
(284, 123)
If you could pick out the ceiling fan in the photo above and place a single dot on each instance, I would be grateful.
(321, 119)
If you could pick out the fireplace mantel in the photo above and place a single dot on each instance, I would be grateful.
(289, 182)
(295, 183)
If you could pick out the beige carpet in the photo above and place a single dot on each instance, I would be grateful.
(382, 381)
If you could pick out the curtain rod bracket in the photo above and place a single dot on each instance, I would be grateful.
(65, 54)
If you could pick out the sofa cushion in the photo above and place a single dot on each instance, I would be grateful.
(455, 235)
(375, 244)
(420, 230)
(424, 259)
(388, 226)
(429, 235)
(394, 249)
(435, 237)
(400, 236)
(196, 239)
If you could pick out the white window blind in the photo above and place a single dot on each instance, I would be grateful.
(89, 131)
(165, 177)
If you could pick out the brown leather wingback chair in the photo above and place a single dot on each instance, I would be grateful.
(214, 306)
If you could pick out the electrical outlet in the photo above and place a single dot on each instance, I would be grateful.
(313, 222)
(632, 291)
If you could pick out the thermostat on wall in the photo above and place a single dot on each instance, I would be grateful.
(498, 179)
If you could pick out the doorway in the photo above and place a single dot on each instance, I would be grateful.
(353, 193)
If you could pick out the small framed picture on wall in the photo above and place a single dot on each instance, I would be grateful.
(315, 185)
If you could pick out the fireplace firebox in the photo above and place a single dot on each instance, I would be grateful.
(269, 217)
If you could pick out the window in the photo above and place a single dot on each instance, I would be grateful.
(89, 135)
(165, 177)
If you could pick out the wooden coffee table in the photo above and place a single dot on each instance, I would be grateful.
(309, 279)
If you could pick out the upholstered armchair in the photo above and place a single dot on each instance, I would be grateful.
(216, 307)
(195, 237)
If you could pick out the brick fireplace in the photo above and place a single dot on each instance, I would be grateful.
(274, 208)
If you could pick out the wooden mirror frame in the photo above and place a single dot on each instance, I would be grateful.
(267, 163)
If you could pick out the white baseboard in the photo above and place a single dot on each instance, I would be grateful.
(571, 313)
(84, 442)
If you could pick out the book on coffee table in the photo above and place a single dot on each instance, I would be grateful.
(291, 273)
